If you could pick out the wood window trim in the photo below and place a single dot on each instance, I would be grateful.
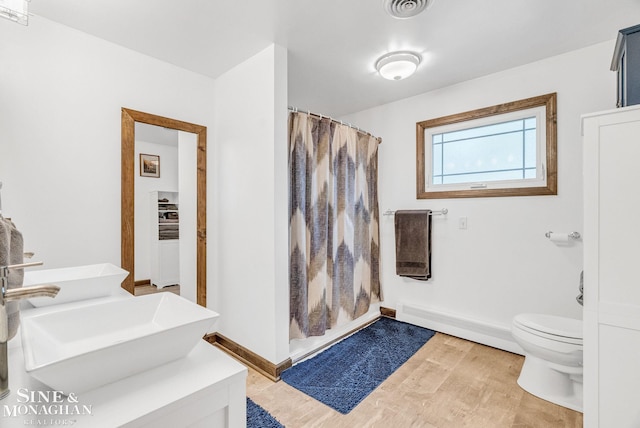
(549, 101)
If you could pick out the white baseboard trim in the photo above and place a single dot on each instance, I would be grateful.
(489, 334)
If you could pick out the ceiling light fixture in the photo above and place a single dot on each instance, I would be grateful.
(397, 65)
(15, 10)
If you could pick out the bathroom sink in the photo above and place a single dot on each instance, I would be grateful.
(77, 283)
(81, 348)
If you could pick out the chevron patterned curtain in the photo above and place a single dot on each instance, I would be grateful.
(333, 224)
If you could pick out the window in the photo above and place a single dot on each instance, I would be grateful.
(504, 150)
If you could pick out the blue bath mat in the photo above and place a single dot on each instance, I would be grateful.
(343, 375)
(257, 417)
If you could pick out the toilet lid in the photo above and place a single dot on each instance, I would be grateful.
(550, 324)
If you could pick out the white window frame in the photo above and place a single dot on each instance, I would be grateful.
(545, 182)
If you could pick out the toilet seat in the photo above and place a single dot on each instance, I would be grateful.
(566, 330)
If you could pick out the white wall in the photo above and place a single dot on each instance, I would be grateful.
(61, 92)
(248, 253)
(188, 187)
(502, 264)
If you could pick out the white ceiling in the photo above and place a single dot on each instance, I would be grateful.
(333, 44)
(156, 134)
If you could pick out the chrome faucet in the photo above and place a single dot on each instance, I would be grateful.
(12, 295)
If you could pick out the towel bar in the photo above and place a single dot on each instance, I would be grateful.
(443, 211)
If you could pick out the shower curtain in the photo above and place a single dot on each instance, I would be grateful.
(333, 224)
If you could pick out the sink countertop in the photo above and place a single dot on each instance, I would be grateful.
(195, 389)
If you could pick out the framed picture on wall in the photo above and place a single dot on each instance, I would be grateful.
(149, 165)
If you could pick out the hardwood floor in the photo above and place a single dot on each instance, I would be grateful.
(449, 382)
(141, 290)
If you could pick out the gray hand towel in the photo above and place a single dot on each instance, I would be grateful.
(11, 253)
(413, 244)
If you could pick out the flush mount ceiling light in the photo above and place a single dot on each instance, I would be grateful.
(15, 10)
(397, 65)
(403, 9)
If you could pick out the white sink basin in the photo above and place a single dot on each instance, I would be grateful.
(75, 350)
(77, 283)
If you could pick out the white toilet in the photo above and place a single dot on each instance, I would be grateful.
(552, 367)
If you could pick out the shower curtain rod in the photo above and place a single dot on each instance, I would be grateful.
(296, 110)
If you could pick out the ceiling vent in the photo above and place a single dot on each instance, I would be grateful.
(403, 9)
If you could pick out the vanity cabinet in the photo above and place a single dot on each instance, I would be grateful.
(165, 235)
(611, 314)
(207, 388)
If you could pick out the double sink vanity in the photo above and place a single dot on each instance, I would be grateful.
(112, 360)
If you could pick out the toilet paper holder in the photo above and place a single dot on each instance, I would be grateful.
(572, 235)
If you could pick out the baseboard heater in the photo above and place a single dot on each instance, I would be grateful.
(458, 325)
